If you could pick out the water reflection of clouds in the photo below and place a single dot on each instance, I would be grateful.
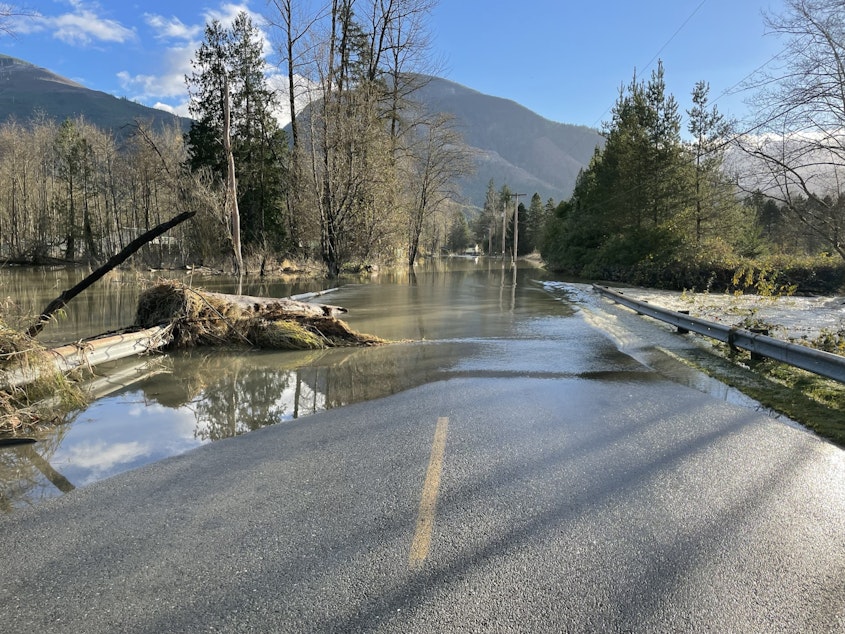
(120, 433)
(102, 456)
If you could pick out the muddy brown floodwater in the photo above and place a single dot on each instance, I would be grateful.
(153, 407)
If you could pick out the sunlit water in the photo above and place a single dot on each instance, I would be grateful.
(154, 407)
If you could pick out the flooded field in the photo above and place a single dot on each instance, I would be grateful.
(149, 408)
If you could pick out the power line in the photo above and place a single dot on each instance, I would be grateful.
(730, 90)
(662, 48)
(674, 35)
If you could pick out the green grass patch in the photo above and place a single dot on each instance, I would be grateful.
(809, 399)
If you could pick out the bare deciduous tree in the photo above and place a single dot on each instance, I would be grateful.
(364, 57)
(8, 13)
(798, 147)
(435, 160)
(118, 192)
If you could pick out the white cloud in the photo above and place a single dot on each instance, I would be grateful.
(226, 16)
(102, 456)
(172, 28)
(181, 109)
(86, 28)
(166, 88)
(303, 88)
(227, 13)
(82, 26)
(168, 83)
(165, 107)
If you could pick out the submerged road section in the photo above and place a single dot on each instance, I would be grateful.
(545, 483)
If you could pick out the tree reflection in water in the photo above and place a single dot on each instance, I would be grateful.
(26, 476)
(231, 393)
(171, 403)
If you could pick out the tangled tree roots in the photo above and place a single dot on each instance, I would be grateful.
(200, 318)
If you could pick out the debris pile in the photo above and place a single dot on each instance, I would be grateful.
(202, 318)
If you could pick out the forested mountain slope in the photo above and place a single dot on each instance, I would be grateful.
(27, 90)
(514, 145)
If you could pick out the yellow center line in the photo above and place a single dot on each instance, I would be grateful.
(428, 502)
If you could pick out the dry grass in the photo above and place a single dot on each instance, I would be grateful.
(201, 319)
(44, 399)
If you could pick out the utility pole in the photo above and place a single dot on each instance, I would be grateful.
(515, 227)
(504, 231)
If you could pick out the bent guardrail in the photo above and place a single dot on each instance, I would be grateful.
(826, 364)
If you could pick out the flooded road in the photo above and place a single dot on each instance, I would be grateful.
(523, 467)
(151, 408)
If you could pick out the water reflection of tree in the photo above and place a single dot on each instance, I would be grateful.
(231, 393)
(22, 480)
(243, 400)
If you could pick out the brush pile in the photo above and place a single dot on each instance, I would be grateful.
(202, 318)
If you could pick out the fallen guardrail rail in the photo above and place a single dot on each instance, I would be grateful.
(89, 353)
(826, 364)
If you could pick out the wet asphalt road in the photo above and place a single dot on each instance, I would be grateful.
(575, 491)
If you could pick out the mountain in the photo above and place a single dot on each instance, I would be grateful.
(26, 89)
(513, 145)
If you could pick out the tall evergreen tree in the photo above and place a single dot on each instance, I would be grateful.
(666, 168)
(73, 168)
(487, 225)
(713, 194)
(624, 208)
(259, 145)
(459, 237)
(535, 219)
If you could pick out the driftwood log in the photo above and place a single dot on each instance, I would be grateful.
(202, 318)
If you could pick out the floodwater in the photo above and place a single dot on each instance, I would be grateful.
(146, 409)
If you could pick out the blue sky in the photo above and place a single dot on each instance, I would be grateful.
(564, 59)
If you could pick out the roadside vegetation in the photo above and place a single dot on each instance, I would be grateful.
(814, 401)
(657, 208)
(806, 398)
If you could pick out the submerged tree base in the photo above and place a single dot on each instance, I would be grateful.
(202, 318)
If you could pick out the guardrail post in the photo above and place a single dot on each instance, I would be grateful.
(756, 356)
(681, 329)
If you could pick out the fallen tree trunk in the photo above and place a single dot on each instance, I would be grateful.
(202, 318)
(113, 262)
(88, 353)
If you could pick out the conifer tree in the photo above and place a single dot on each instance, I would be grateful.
(259, 146)
(625, 206)
(713, 193)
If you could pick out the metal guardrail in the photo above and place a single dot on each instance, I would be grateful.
(92, 352)
(822, 363)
